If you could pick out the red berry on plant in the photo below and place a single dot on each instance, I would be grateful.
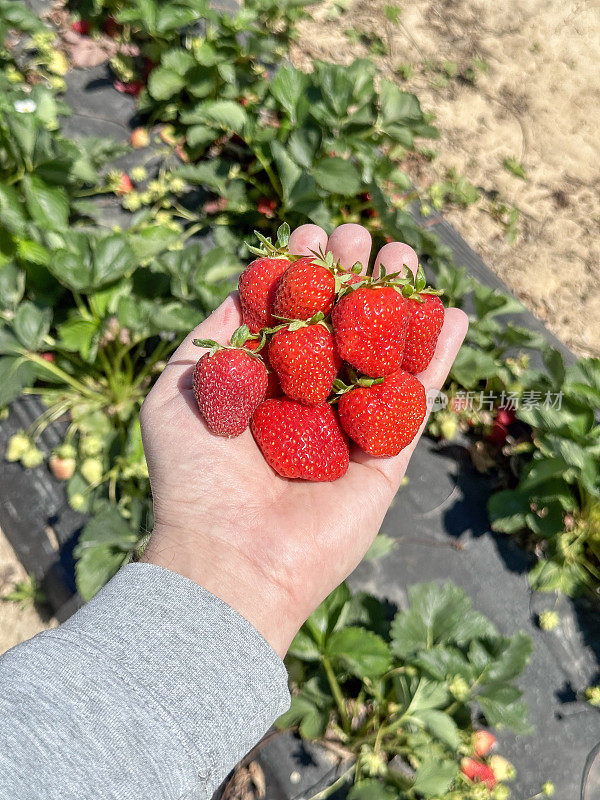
(61, 468)
(306, 361)
(478, 772)
(300, 441)
(81, 26)
(124, 185)
(129, 87)
(483, 742)
(505, 415)
(50, 357)
(497, 434)
(266, 206)
(384, 418)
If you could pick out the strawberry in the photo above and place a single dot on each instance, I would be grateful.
(266, 207)
(502, 768)
(505, 415)
(229, 384)
(424, 326)
(256, 286)
(81, 26)
(258, 281)
(497, 434)
(384, 418)
(370, 325)
(124, 185)
(139, 138)
(305, 289)
(48, 356)
(483, 742)
(477, 772)
(306, 360)
(62, 467)
(300, 441)
(128, 87)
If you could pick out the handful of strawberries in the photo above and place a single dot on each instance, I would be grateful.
(324, 355)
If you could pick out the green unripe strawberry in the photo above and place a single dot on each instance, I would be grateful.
(17, 446)
(32, 457)
(92, 470)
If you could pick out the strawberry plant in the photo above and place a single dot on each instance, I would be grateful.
(555, 496)
(401, 700)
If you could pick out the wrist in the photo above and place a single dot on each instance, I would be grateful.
(232, 577)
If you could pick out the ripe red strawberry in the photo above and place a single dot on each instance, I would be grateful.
(505, 416)
(258, 281)
(266, 207)
(300, 441)
(370, 325)
(424, 326)
(483, 742)
(256, 286)
(229, 384)
(477, 772)
(306, 360)
(130, 87)
(81, 26)
(305, 289)
(497, 434)
(384, 418)
(125, 185)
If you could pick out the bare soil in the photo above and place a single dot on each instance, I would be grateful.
(16, 623)
(538, 103)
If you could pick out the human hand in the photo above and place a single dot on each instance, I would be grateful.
(271, 548)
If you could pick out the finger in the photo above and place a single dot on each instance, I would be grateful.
(306, 239)
(350, 243)
(218, 326)
(451, 337)
(393, 255)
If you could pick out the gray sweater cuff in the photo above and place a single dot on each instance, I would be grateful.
(156, 686)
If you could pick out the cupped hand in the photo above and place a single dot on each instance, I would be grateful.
(271, 548)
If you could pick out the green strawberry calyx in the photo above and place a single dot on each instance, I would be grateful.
(341, 275)
(410, 286)
(238, 339)
(295, 324)
(268, 249)
(339, 387)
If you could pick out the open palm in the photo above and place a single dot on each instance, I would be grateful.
(270, 547)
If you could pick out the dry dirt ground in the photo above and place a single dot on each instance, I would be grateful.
(16, 623)
(538, 103)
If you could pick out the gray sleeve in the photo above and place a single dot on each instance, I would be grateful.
(155, 689)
